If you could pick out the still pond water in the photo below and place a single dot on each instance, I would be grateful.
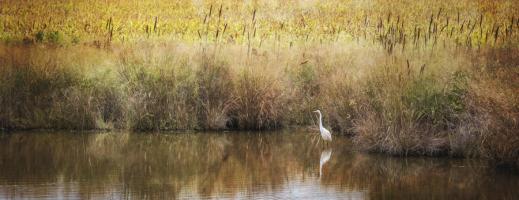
(267, 165)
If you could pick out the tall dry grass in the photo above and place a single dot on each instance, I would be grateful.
(258, 100)
(56, 88)
(492, 110)
(412, 106)
(458, 101)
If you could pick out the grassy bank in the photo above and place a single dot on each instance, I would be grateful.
(458, 102)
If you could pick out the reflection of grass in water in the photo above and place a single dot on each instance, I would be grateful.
(216, 164)
(156, 161)
(394, 177)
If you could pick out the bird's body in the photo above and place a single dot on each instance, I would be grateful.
(325, 133)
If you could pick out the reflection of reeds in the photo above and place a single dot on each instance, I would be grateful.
(214, 165)
(417, 175)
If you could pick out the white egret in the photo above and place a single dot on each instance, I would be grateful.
(325, 134)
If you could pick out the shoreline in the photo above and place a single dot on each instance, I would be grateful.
(423, 102)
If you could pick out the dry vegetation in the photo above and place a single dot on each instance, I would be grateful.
(403, 78)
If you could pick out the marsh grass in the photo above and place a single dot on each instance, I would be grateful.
(422, 79)
(410, 113)
(215, 82)
(403, 103)
(158, 97)
(258, 101)
(493, 111)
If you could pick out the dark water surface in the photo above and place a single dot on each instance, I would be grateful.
(273, 165)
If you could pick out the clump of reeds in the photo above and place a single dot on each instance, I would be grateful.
(492, 110)
(258, 101)
(407, 110)
(43, 88)
(215, 83)
(304, 91)
(160, 94)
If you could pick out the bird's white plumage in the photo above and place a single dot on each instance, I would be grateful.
(325, 133)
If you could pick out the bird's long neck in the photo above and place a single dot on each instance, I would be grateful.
(320, 120)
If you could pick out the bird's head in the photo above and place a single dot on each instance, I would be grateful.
(317, 111)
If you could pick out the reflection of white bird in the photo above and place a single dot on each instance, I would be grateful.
(325, 134)
(325, 156)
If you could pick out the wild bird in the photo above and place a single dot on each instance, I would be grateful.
(325, 134)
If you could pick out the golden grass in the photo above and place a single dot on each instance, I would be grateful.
(397, 24)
